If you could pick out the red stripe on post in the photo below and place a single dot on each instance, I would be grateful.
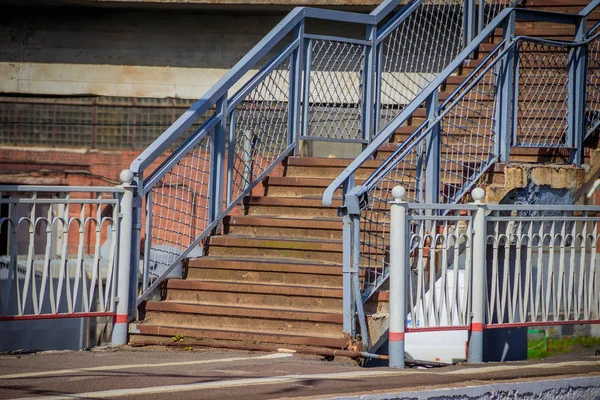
(121, 319)
(477, 327)
(396, 336)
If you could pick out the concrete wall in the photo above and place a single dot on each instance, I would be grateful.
(125, 52)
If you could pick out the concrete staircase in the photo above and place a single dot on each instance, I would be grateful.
(273, 277)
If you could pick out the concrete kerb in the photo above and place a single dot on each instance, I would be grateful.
(580, 388)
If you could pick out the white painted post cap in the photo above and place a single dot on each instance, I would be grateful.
(398, 193)
(126, 176)
(478, 194)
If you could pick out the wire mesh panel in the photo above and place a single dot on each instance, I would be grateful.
(466, 150)
(416, 51)
(177, 207)
(58, 251)
(467, 132)
(542, 105)
(406, 171)
(542, 266)
(592, 108)
(440, 269)
(491, 8)
(335, 90)
(260, 127)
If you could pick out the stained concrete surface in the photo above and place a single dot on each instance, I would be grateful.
(162, 373)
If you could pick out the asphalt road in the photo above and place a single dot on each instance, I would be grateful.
(160, 373)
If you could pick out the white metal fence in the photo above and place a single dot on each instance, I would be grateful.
(60, 251)
(481, 266)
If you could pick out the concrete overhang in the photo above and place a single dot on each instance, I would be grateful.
(224, 5)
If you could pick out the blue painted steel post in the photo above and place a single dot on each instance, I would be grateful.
(349, 310)
(577, 94)
(368, 105)
(217, 165)
(296, 59)
(306, 91)
(480, 16)
(136, 239)
(469, 21)
(398, 274)
(122, 315)
(479, 279)
(433, 155)
(504, 95)
(378, 77)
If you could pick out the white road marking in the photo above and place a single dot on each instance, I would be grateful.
(497, 368)
(145, 391)
(136, 366)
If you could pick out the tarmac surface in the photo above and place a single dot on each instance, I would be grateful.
(165, 373)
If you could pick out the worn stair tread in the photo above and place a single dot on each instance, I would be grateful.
(260, 288)
(281, 221)
(328, 162)
(323, 340)
(262, 312)
(253, 238)
(303, 181)
(263, 260)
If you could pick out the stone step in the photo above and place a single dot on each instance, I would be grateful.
(257, 319)
(145, 332)
(284, 227)
(329, 251)
(324, 299)
(265, 270)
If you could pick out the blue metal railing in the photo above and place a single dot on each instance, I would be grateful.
(487, 113)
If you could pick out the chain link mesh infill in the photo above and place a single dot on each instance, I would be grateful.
(179, 208)
(261, 128)
(492, 8)
(416, 51)
(467, 149)
(542, 119)
(336, 90)
(592, 109)
(467, 135)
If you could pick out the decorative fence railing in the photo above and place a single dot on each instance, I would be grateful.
(496, 266)
(522, 88)
(59, 248)
(317, 87)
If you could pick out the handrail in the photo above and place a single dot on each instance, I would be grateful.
(389, 130)
(416, 103)
(171, 134)
(589, 8)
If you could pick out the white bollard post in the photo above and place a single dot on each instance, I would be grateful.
(398, 272)
(479, 279)
(121, 321)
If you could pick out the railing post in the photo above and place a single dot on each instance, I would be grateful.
(504, 96)
(479, 279)
(398, 275)
(121, 320)
(368, 106)
(305, 92)
(217, 167)
(136, 239)
(296, 86)
(433, 155)
(469, 21)
(577, 94)
(349, 310)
